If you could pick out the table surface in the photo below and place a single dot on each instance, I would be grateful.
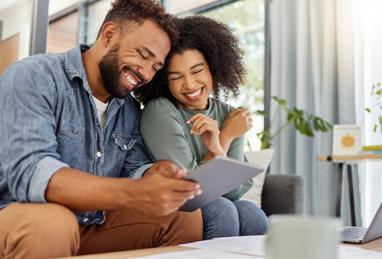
(375, 245)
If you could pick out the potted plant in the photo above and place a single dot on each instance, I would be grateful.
(376, 95)
(305, 123)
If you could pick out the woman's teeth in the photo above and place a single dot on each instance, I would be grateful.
(194, 94)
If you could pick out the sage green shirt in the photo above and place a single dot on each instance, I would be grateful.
(167, 136)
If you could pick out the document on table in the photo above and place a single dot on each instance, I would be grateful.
(199, 254)
(249, 245)
(353, 252)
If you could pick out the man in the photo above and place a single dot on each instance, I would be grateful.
(70, 146)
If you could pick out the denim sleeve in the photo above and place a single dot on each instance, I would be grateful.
(28, 156)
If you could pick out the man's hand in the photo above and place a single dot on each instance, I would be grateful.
(162, 190)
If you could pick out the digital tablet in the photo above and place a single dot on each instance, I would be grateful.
(217, 177)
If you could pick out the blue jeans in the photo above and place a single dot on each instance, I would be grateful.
(224, 218)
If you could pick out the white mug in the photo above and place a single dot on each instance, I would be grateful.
(302, 237)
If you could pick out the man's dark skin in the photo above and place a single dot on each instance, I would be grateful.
(142, 49)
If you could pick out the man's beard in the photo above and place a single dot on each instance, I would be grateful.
(110, 74)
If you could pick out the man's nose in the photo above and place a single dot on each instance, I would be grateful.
(146, 72)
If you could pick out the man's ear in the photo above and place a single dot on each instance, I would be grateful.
(109, 30)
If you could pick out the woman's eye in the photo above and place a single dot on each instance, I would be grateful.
(174, 78)
(197, 71)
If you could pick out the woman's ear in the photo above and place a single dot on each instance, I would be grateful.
(109, 30)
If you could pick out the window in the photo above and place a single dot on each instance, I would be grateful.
(62, 33)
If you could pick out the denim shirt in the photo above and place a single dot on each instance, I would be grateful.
(48, 120)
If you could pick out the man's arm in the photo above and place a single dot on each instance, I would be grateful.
(160, 192)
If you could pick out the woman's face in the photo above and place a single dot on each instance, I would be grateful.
(190, 79)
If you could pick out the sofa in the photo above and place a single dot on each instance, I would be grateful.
(282, 194)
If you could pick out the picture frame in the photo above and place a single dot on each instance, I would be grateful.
(347, 140)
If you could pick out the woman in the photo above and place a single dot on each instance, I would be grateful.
(182, 123)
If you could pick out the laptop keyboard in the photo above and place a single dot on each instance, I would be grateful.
(353, 234)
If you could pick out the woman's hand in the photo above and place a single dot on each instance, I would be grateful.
(236, 124)
(208, 129)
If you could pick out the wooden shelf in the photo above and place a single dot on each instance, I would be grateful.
(349, 158)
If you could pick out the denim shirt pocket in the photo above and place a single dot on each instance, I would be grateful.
(72, 130)
(124, 143)
(71, 144)
(121, 144)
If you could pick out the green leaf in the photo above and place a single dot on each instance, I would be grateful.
(265, 138)
(375, 128)
(319, 124)
(328, 126)
(279, 101)
(260, 112)
(298, 112)
(378, 92)
(368, 110)
(303, 127)
(291, 116)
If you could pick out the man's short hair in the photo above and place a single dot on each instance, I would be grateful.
(138, 11)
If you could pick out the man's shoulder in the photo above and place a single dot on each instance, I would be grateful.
(40, 63)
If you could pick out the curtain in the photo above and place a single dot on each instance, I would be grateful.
(313, 68)
(368, 72)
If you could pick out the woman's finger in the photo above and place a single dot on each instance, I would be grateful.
(211, 126)
(195, 117)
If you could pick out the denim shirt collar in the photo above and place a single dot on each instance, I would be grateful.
(74, 67)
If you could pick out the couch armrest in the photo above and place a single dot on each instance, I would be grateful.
(282, 194)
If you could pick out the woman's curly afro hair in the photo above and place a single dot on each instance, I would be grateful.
(219, 47)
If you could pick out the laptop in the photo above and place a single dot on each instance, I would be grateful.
(363, 235)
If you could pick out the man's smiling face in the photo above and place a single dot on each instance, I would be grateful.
(134, 58)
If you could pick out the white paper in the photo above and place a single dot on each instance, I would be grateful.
(199, 254)
(353, 252)
(249, 245)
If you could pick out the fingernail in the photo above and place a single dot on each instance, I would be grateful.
(188, 122)
(191, 197)
(199, 192)
(198, 186)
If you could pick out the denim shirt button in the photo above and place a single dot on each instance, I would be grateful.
(98, 154)
(124, 147)
(85, 220)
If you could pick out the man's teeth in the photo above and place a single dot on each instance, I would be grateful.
(194, 94)
(130, 79)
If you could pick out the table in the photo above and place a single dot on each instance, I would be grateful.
(375, 245)
(349, 162)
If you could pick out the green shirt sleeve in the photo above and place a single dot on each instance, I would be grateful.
(163, 132)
